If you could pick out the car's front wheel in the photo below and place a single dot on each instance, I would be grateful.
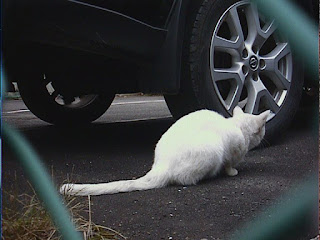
(234, 56)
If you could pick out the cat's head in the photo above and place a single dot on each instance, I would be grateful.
(252, 126)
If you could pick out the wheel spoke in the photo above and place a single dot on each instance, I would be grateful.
(281, 82)
(252, 105)
(236, 78)
(269, 100)
(256, 93)
(235, 25)
(280, 51)
(220, 74)
(253, 102)
(257, 36)
(225, 44)
(270, 28)
(272, 66)
(50, 88)
(234, 96)
(253, 20)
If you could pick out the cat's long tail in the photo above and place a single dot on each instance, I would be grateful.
(149, 181)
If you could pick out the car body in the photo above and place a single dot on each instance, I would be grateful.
(129, 35)
(102, 47)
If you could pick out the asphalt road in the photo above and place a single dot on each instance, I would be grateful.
(120, 146)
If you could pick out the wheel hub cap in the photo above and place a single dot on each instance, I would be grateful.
(253, 62)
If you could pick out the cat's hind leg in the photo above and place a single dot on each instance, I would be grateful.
(231, 171)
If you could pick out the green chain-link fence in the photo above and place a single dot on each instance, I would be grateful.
(285, 219)
(298, 212)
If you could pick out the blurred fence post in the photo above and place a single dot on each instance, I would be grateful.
(287, 220)
(40, 180)
(302, 32)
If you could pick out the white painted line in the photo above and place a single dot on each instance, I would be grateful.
(18, 111)
(141, 119)
(138, 102)
(113, 104)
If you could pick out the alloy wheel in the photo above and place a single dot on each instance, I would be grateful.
(250, 63)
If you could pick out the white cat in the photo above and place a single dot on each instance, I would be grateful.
(197, 146)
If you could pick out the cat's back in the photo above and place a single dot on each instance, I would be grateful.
(203, 131)
(202, 119)
(197, 123)
(199, 117)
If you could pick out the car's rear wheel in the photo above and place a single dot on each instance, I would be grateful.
(234, 56)
(54, 105)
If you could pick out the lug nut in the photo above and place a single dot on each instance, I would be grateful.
(262, 64)
(245, 70)
(245, 53)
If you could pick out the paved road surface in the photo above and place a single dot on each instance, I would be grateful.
(120, 146)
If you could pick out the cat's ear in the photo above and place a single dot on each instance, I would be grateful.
(264, 116)
(237, 110)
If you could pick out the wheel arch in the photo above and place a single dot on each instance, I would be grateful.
(163, 75)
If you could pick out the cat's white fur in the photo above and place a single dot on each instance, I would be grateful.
(197, 146)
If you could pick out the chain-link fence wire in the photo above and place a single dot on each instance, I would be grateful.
(298, 211)
(277, 223)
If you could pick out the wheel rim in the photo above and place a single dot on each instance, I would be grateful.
(72, 102)
(250, 63)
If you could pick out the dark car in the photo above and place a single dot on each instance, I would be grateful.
(70, 57)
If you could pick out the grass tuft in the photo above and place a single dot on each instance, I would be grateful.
(24, 218)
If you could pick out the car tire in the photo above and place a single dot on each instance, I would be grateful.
(231, 57)
(51, 106)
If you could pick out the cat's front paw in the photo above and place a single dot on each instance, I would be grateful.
(232, 172)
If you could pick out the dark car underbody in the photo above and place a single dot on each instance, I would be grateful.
(94, 46)
(97, 45)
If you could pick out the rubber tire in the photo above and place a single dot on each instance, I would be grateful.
(197, 90)
(36, 98)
